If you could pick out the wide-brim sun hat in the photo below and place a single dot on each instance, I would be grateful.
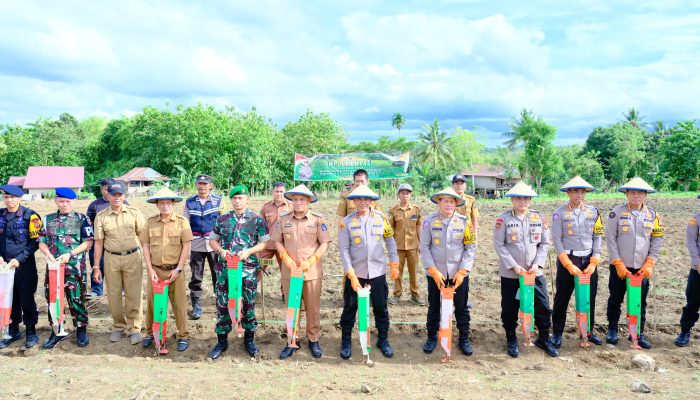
(447, 192)
(637, 183)
(362, 191)
(303, 190)
(521, 189)
(164, 194)
(577, 183)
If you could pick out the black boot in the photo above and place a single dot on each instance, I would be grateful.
(683, 339)
(82, 338)
(642, 341)
(196, 312)
(249, 343)
(556, 340)
(32, 338)
(612, 337)
(221, 346)
(593, 338)
(287, 352)
(346, 344)
(464, 343)
(52, 341)
(545, 344)
(14, 334)
(383, 344)
(512, 343)
(315, 349)
(430, 343)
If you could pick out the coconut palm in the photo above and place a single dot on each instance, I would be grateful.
(634, 118)
(433, 146)
(397, 121)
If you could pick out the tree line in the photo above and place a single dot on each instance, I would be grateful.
(234, 146)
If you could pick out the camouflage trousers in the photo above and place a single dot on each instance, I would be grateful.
(74, 288)
(250, 288)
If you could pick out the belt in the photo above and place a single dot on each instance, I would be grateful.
(580, 253)
(166, 267)
(123, 253)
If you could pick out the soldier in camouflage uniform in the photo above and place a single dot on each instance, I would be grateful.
(244, 233)
(66, 236)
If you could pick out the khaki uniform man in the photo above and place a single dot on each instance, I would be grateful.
(577, 233)
(448, 249)
(521, 238)
(692, 290)
(167, 240)
(459, 184)
(271, 211)
(301, 238)
(360, 241)
(117, 229)
(634, 236)
(405, 219)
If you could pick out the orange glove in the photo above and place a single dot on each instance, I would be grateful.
(620, 268)
(566, 262)
(438, 277)
(309, 262)
(354, 282)
(394, 270)
(592, 265)
(287, 260)
(459, 277)
(647, 267)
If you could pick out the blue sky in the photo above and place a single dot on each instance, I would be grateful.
(467, 63)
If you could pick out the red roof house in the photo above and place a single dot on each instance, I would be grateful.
(45, 179)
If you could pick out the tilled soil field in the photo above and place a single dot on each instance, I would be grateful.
(119, 370)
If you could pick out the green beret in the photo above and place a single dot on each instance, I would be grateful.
(240, 189)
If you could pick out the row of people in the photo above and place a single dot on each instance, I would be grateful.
(300, 237)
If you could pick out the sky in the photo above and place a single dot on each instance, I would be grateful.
(473, 64)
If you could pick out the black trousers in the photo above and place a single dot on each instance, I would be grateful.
(692, 294)
(378, 297)
(23, 305)
(510, 305)
(460, 303)
(618, 288)
(197, 259)
(565, 287)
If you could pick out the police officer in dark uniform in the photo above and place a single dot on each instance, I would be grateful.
(19, 233)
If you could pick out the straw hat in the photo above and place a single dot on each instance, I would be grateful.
(447, 192)
(164, 194)
(636, 183)
(577, 183)
(521, 189)
(303, 190)
(362, 191)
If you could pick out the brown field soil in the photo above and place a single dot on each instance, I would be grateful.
(119, 370)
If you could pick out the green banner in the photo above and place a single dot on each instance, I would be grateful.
(338, 167)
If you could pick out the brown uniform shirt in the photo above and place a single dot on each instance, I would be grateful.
(166, 238)
(120, 231)
(271, 212)
(469, 208)
(405, 222)
(301, 237)
(346, 207)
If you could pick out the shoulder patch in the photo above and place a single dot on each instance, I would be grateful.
(499, 223)
(692, 221)
(34, 226)
(612, 214)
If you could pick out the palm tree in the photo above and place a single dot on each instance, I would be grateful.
(433, 146)
(634, 118)
(516, 135)
(397, 121)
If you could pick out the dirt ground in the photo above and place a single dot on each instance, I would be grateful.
(119, 370)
